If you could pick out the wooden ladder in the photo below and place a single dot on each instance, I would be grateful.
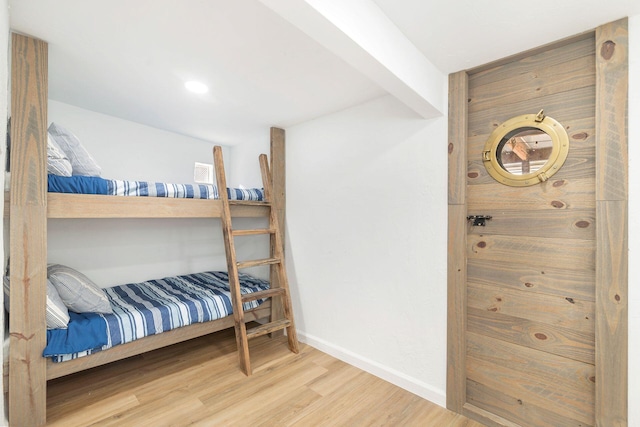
(279, 289)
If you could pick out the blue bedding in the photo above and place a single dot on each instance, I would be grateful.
(148, 308)
(77, 184)
(95, 185)
(86, 331)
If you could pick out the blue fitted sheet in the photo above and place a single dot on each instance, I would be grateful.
(77, 184)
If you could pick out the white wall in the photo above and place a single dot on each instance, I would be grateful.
(127, 150)
(243, 168)
(634, 220)
(120, 251)
(367, 254)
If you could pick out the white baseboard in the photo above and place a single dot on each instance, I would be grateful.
(404, 381)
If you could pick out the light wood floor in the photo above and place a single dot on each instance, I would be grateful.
(198, 383)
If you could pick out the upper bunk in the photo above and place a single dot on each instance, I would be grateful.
(28, 154)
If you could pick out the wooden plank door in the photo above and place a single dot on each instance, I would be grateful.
(524, 289)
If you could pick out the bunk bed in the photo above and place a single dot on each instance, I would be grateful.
(28, 206)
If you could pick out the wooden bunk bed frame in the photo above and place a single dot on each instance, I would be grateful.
(29, 208)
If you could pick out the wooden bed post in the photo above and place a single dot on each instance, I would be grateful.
(278, 185)
(28, 236)
(612, 246)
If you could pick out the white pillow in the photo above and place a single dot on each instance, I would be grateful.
(77, 291)
(81, 161)
(57, 161)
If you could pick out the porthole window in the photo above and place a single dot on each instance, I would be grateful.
(526, 150)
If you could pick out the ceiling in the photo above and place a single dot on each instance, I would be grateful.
(130, 59)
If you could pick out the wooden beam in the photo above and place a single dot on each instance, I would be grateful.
(64, 205)
(28, 236)
(520, 148)
(364, 37)
(456, 252)
(612, 68)
(458, 94)
(278, 194)
(612, 87)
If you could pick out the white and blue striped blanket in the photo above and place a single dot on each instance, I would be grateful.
(184, 191)
(152, 307)
(115, 187)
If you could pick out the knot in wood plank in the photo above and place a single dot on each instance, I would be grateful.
(607, 50)
(22, 336)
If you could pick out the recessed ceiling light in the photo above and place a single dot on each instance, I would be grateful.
(196, 87)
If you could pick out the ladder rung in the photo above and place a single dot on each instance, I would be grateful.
(253, 232)
(263, 294)
(267, 328)
(248, 203)
(258, 262)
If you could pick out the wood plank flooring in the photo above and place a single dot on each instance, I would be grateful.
(198, 382)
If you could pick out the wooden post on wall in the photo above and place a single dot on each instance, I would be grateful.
(457, 257)
(278, 185)
(612, 69)
(28, 216)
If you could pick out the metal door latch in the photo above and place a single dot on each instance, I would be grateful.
(478, 220)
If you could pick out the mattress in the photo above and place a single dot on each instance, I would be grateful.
(149, 308)
(114, 187)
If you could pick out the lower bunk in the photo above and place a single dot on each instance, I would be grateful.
(141, 317)
(152, 342)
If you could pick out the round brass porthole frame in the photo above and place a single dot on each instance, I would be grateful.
(548, 125)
